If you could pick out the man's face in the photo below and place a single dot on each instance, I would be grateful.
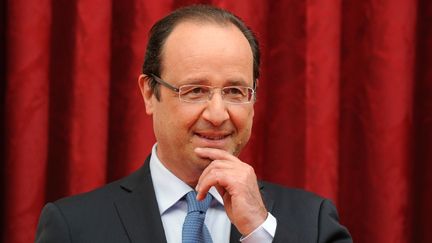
(208, 54)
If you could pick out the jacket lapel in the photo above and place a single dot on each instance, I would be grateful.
(235, 234)
(268, 200)
(138, 210)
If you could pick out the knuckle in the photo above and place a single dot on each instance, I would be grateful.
(250, 170)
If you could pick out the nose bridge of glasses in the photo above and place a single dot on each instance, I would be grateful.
(212, 92)
(216, 109)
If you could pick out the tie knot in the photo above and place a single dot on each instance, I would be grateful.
(195, 205)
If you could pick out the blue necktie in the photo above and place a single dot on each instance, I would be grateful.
(194, 229)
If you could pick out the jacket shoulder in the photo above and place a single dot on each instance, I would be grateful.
(290, 197)
(303, 216)
(105, 194)
(91, 216)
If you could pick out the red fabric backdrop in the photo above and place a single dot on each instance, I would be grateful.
(344, 106)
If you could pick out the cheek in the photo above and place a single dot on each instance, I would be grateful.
(186, 116)
(242, 119)
(178, 119)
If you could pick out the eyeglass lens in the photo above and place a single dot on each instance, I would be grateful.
(200, 93)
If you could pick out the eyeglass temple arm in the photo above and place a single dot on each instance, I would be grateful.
(161, 81)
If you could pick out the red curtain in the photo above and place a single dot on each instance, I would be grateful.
(344, 105)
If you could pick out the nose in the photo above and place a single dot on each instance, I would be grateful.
(216, 111)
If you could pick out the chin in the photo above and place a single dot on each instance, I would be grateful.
(202, 164)
(236, 150)
(205, 161)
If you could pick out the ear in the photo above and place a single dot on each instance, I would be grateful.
(146, 93)
(256, 84)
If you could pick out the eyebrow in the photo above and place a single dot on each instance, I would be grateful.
(205, 81)
(194, 81)
(237, 83)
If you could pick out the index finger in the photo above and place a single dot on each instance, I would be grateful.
(214, 154)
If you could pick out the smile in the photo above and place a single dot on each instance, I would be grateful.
(212, 136)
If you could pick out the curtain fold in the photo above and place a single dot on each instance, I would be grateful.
(344, 105)
(26, 116)
(322, 77)
(89, 96)
(376, 116)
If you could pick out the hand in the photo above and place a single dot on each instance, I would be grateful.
(236, 182)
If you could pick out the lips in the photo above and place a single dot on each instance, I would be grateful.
(212, 136)
(206, 137)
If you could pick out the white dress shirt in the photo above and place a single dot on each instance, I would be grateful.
(170, 190)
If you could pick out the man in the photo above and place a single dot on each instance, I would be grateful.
(198, 84)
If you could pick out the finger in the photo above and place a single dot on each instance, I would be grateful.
(205, 183)
(218, 164)
(215, 154)
(216, 177)
(221, 190)
(215, 164)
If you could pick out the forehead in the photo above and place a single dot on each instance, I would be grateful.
(208, 48)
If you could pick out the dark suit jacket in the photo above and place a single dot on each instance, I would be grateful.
(127, 211)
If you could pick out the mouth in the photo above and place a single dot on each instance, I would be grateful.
(212, 139)
(212, 136)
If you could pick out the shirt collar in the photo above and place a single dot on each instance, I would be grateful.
(168, 188)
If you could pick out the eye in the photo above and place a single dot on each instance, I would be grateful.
(194, 92)
(197, 90)
(235, 91)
